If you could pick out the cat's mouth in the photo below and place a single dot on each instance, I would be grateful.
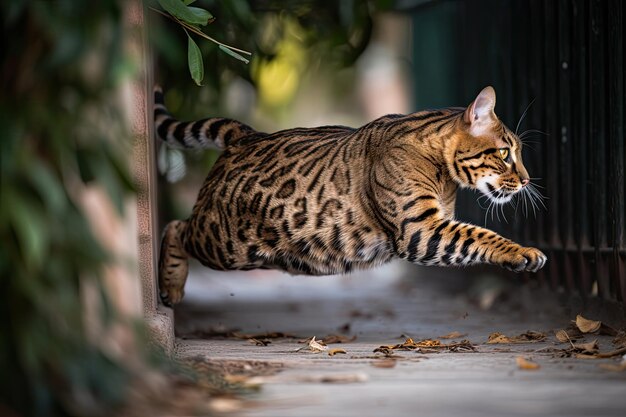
(499, 195)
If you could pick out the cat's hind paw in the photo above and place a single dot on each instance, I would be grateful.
(171, 296)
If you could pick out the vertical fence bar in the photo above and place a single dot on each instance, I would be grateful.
(579, 137)
(537, 119)
(551, 155)
(597, 102)
(520, 23)
(565, 153)
(616, 143)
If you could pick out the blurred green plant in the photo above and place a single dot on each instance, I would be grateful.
(61, 131)
(190, 19)
(331, 35)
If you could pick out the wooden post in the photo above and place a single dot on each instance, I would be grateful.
(139, 98)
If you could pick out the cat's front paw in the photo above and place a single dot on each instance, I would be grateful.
(525, 259)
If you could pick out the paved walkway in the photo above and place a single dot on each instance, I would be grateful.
(383, 307)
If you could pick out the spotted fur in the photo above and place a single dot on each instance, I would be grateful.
(333, 199)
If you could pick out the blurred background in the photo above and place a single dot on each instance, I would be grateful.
(67, 219)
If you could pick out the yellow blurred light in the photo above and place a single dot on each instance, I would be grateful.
(278, 79)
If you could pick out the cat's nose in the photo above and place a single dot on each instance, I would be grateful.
(524, 181)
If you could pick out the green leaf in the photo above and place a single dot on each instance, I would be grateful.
(194, 58)
(188, 2)
(234, 54)
(192, 15)
(200, 13)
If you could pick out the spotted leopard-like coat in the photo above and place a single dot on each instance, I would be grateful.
(333, 199)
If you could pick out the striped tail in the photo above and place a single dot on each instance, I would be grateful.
(211, 133)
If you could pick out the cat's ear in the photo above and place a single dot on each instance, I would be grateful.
(480, 115)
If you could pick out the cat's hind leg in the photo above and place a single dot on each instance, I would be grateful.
(173, 263)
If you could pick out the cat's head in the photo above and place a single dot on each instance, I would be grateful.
(487, 156)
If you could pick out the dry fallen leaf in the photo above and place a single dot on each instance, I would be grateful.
(523, 363)
(590, 351)
(587, 348)
(385, 350)
(316, 346)
(568, 335)
(528, 337)
(259, 342)
(333, 352)
(586, 325)
(561, 336)
(384, 363)
(427, 346)
(496, 337)
(453, 335)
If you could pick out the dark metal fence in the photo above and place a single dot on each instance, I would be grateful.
(568, 56)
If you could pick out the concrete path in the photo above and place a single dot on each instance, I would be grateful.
(383, 307)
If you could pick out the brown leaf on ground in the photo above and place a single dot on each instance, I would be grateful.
(562, 336)
(333, 352)
(384, 363)
(582, 351)
(586, 325)
(587, 348)
(428, 346)
(528, 337)
(525, 364)
(259, 342)
(453, 335)
(569, 334)
(316, 346)
(385, 350)
(336, 338)
(594, 326)
(496, 337)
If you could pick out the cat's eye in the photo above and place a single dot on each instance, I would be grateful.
(504, 153)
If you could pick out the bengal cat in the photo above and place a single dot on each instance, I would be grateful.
(333, 199)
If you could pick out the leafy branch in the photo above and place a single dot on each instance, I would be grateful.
(190, 19)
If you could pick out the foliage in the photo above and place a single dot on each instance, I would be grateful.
(331, 34)
(60, 131)
(189, 18)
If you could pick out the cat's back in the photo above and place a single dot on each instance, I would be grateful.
(290, 192)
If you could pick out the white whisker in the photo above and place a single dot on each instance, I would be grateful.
(523, 115)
